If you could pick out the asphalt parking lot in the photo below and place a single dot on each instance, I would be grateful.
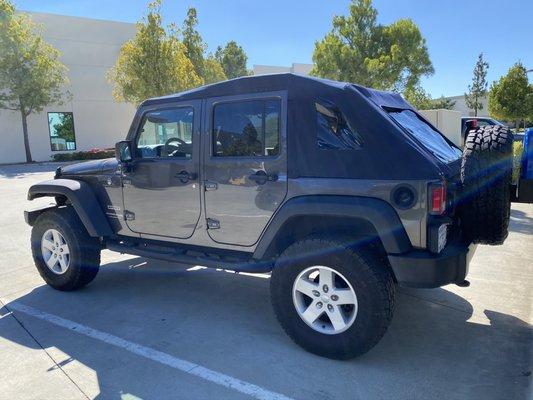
(151, 330)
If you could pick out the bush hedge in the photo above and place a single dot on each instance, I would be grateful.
(93, 154)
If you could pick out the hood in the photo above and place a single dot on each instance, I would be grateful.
(91, 167)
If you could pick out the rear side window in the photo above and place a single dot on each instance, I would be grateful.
(429, 137)
(246, 128)
(333, 131)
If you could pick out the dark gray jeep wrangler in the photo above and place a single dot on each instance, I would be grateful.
(339, 190)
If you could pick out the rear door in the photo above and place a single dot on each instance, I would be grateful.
(161, 189)
(245, 164)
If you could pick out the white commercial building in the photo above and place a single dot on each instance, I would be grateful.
(92, 118)
(296, 68)
(460, 105)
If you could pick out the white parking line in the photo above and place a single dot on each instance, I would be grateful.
(185, 366)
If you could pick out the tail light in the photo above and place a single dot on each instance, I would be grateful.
(437, 198)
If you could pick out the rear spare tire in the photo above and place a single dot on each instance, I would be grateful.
(486, 175)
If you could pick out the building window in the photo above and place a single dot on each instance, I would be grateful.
(61, 128)
(246, 128)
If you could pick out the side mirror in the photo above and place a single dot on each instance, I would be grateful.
(123, 151)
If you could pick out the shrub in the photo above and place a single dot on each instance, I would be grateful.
(93, 154)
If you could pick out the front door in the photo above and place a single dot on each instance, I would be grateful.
(245, 165)
(161, 190)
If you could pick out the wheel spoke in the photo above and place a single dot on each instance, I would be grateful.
(65, 250)
(326, 278)
(62, 263)
(336, 318)
(312, 313)
(306, 287)
(47, 244)
(51, 262)
(346, 296)
(56, 237)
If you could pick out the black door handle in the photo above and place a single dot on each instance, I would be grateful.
(185, 176)
(261, 177)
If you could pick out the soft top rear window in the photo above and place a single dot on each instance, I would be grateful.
(426, 134)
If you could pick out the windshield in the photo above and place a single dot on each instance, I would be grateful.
(429, 137)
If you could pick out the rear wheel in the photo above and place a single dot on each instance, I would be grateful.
(486, 174)
(331, 299)
(65, 255)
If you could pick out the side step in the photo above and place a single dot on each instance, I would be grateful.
(188, 257)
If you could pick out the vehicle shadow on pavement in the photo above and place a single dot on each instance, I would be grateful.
(520, 222)
(224, 321)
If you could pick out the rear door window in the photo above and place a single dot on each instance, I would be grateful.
(248, 128)
(425, 134)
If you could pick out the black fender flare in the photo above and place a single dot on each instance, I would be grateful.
(81, 197)
(377, 212)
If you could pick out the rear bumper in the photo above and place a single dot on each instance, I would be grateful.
(422, 269)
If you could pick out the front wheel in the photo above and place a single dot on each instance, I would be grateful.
(331, 299)
(65, 255)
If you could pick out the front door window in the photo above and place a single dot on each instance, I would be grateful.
(166, 133)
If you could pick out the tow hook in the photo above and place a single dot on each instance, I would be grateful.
(464, 283)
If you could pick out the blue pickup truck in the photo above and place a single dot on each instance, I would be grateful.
(522, 190)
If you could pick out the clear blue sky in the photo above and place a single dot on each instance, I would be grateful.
(279, 32)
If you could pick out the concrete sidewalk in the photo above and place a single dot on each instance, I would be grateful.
(448, 343)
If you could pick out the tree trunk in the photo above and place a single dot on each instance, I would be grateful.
(25, 134)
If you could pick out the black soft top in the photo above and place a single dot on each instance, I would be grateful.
(387, 151)
(274, 82)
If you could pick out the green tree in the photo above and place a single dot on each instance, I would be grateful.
(233, 60)
(213, 71)
(64, 129)
(422, 100)
(31, 75)
(418, 97)
(478, 89)
(193, 42)
(511, 97)
(206, 66)
(360, 50)
(443, 103)
(153, 63)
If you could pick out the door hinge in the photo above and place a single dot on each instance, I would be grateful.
(213, 223)
(129, 216)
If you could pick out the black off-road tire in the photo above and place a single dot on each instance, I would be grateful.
(84, 249)
(370, 277)
(486, 171)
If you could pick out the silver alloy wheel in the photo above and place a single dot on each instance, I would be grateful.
(324, 299)
(55, 251)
